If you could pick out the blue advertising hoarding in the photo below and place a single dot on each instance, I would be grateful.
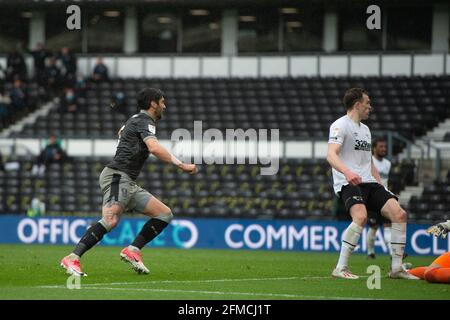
(286, 235)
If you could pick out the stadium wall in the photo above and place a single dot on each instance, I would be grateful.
(273, 66)
(237, 149)
(147, 66)
(284, 235)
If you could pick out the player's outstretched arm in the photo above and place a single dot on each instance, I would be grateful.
(440, 229)
(162, 154)
(334, 161)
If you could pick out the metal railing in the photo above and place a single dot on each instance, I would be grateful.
(12, 149)
(431, 145)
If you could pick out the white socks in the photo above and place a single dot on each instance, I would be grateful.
(387, 239)
(371, 234)
(349, 241)
(398, 242)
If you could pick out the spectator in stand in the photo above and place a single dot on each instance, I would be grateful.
(69, 101)
(40, 55)
(15, 66)
(80, 87)
(53, 153)
(52, 76)
(69, 63)
(119, 103)
(19, 97)
(4, 112)
(100, 72)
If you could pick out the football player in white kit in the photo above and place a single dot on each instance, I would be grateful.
(383, 166)
(359, 185)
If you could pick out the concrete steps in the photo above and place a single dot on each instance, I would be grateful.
(30, 119)
(435, 135)
(408, 192)
(438, 133)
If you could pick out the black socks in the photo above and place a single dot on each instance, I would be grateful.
(149, 231)
(92, 236)
(95, 234)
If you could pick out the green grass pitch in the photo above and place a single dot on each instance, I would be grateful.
(33, 272)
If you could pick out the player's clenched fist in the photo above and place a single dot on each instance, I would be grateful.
(352, 178)
(189, 168)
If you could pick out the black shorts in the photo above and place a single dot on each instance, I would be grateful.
(375, 219)
(372, 195)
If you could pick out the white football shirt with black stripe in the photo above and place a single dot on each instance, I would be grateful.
(356, 141)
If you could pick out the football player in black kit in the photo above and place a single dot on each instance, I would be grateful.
(137, 139)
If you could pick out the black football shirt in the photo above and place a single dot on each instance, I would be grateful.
(131, 150)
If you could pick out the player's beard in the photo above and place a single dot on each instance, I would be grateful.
(159, 114)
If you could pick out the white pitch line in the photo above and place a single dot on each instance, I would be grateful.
(214, 280)
(279, 295)
(182, 281)
(199, 281)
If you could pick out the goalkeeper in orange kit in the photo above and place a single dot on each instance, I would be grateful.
(439, 270)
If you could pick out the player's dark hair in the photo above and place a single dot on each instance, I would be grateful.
(147, 95)
(377, 141)
(352, 96)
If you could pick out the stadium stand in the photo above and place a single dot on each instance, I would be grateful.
(434, 203)
(300, 107)
(303, 188)
(34, 96)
